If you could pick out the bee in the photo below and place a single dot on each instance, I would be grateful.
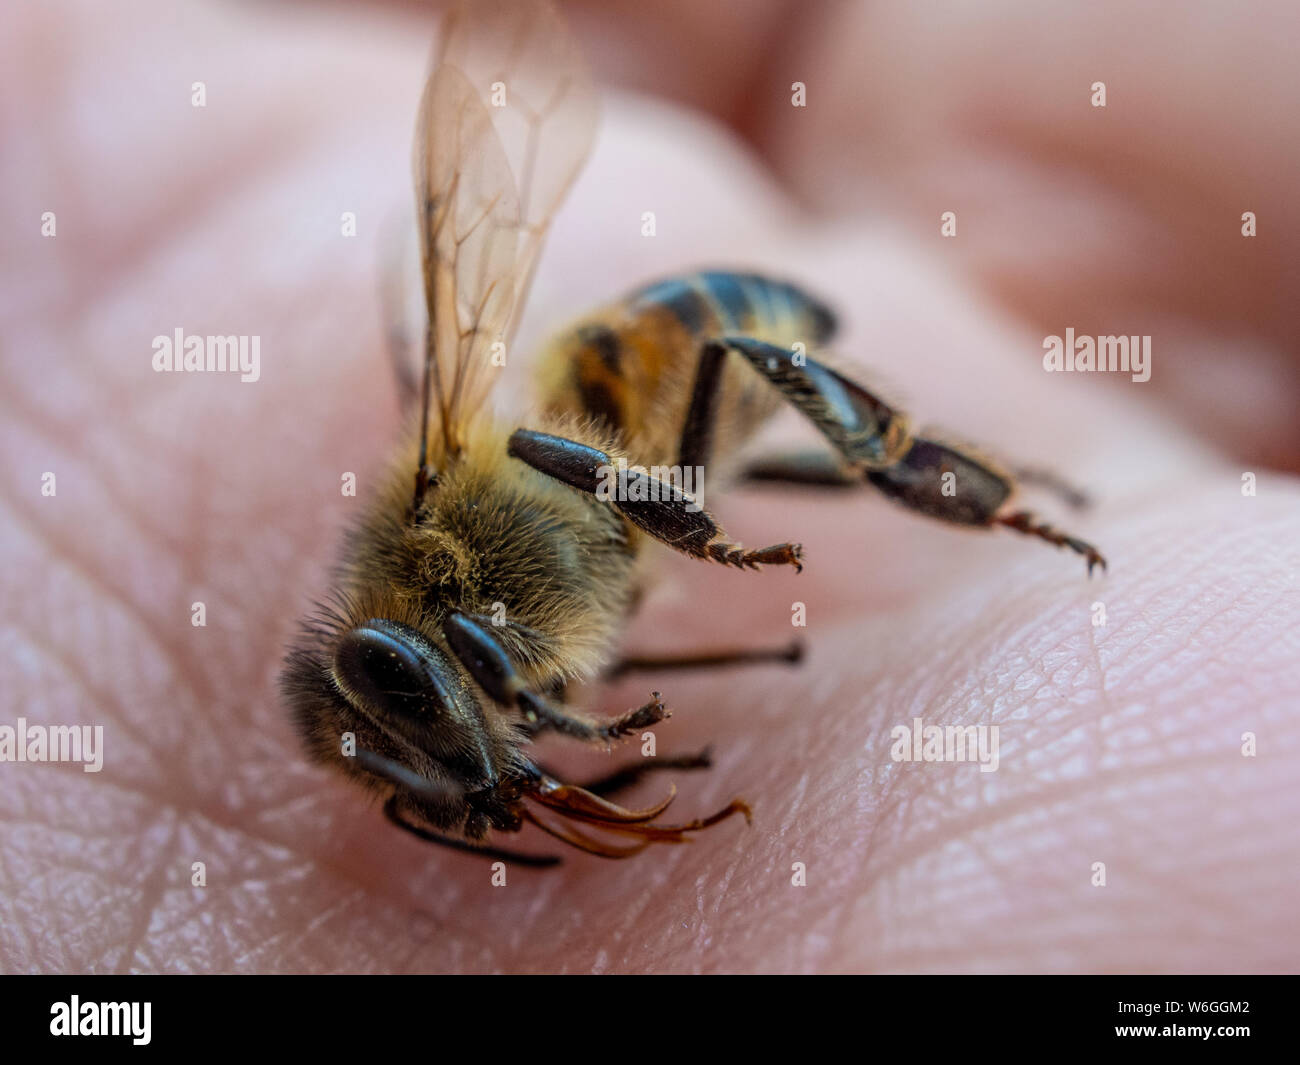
(497, 564)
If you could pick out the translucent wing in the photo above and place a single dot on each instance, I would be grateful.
(505, 123)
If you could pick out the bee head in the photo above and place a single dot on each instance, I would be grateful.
(420, 731)
(416, 718)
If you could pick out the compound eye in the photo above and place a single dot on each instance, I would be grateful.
(387, 666)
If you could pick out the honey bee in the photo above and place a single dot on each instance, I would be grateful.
(493, 567)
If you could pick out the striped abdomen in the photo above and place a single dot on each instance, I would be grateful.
(633, 364)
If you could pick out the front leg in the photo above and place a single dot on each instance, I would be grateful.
(656, 507)
(482, 654)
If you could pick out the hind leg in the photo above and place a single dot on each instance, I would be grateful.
(872, 442)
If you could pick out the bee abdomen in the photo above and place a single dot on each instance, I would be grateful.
(632, 365)
(718, 302)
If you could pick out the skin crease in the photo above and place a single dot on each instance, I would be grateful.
(1119, 743)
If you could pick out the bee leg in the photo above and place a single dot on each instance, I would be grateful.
(656, 507)
(485, 658)
(628, 775)
(861, 427)
(819, 469)
(791, 653)
(944, 481)
(1024, 522)
(956, 485)
(823, 469)
(696, 446)
(1038, 477)
(393, 813)
(804, 469)
(546, 715)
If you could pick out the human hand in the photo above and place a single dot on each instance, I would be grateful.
(1120, 743)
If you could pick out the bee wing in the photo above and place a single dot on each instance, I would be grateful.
(505, 123)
